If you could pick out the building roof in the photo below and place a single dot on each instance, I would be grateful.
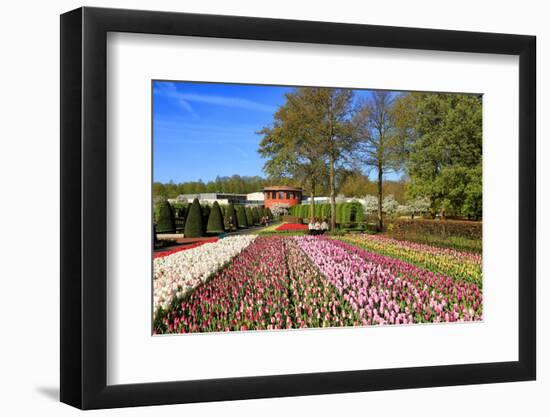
(282, 188)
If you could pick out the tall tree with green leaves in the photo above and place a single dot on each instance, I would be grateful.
(445, 151)
(291, 146)
(380, 144)
(310, 136)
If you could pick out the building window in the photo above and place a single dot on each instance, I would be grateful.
(292, 196)
(273, 195)
(287, 195)
(281, 195)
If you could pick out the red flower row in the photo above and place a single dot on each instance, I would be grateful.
(291, 227)
(185, 247)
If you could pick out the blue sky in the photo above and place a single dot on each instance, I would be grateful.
(204, 130)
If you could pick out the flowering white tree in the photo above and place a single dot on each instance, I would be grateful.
(419, 205)
(414, 207)
(390, 205)
(279, 209)
(369, 203)
(403, 209)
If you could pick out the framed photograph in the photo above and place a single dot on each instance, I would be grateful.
(257, 208)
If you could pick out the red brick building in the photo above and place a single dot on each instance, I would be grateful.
(282, 194)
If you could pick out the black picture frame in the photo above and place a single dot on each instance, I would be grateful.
(84, 207)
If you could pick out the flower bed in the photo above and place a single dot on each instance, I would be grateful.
(163, 253)
(296, 282)
(462, 265)
(292, 227)
(260, 289)
(384, 290)
(176, 274)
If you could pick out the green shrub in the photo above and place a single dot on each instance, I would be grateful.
(256, 215)
(269, 214)
(205, 210)
(339, 208)
(249, 216)
(325, 211)
(346, 213)
(241, 218)
(181, 212)
(165, 222)
(215, 220)
(193, 224)
(359, 213)
(230, 218)
(442, 228)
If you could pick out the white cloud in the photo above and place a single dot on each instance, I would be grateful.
(169, 89)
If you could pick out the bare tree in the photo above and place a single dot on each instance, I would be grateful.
(379, 144)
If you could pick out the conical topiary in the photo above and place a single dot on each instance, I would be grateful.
(215, 220)
(205, 210)
(193, 223)
(230, 218)
(241, 218)
(166, 222)
(256, 215)
(249, 217)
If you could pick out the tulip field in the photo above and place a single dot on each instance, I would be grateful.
(250, 282)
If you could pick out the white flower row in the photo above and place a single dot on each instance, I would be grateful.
(176, 274)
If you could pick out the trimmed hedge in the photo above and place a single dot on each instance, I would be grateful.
(442, 228)
(256, 215)
(230, 218)
(215, 220)
(339, 209)
(180, 210)
(249, 216)
(241, 218)
(346, 213)
(166, 222)
(194, 225)
(205, 210)
(359, 213)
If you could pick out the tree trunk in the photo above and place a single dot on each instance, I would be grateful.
(312, 197)
(332, 195)
(380, 222)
